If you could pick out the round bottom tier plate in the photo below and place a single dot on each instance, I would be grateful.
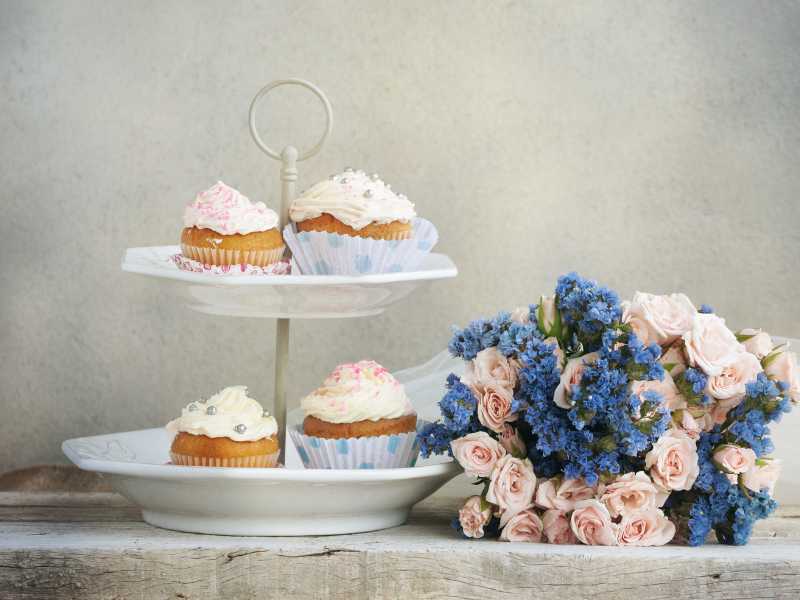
(285, 296)
(270, 502)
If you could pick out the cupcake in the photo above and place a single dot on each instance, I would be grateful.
(354, 204)
(354, 224)
(359, 418)
(230, 429)
(222, 227)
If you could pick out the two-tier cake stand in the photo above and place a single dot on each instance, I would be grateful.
(283, 501)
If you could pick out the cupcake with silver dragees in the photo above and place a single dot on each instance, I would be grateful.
(355, 224)
(359, 418)
(230, 429)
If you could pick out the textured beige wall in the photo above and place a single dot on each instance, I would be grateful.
(651, 145)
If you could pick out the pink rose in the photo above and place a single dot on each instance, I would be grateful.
(673, 359)
(730, 384)
(672, 461)
(685, 422)
(629, 493)
(557, 351)
(477, 453)
(511, 486)
(783, 367)
(494, 408)
(664, 318)
(556, 529)
(573, 371)
(472, 518)
(672, 398)
(525, 526)
(562, 494)
(645, 528)
(710, 345)
(758, 342)
(491, 369)
(763, 475)
(510, 440)
(636, 321)
(733, 459)
(592, 524)
(521, 314)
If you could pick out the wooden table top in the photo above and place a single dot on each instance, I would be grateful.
(95, 545)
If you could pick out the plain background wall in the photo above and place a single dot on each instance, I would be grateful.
(650, 145)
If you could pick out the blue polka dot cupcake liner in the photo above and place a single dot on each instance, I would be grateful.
(322, 253)
(375, 452)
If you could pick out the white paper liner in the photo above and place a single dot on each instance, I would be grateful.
(223, 257)
(187, 264)
(322, 253)
(375, 452)
(261, 461)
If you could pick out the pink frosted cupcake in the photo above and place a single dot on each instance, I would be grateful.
(222, 227)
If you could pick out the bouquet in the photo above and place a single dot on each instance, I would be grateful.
(634, 424)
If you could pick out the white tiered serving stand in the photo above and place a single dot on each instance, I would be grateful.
(283, 501)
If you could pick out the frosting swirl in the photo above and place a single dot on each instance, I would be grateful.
(224, 210)
(355, 199)
(229, 413)
(358, 392)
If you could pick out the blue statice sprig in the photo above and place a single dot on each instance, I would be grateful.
(479, 335)
(692, 385)
(458, 408)
(748, 423)
(586, 308)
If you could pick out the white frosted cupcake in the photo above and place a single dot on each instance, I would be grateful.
(353, 224)
(359, 418)
(230, 429)
(354, 204)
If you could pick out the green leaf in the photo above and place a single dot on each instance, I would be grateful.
(770, 358)
(742, 337)
(540, 317)
(669, 366)
(556, 329)
(485, 504)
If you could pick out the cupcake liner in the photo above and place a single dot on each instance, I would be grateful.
(375, 452)
(322, 253)
(222, 257)
(184, 263)
(257, 461)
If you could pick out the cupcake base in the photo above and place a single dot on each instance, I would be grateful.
(394, 230)
(322, 429)
(324, 253)
(264, 461)
(378, 452)
(202, 451)
(260, 248)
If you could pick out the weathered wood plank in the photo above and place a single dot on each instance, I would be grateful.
(96, 547)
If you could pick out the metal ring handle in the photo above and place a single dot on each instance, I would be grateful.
(302, 83)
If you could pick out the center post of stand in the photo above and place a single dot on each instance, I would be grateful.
(289, 158)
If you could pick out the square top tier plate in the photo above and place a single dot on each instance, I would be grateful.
(285, 296)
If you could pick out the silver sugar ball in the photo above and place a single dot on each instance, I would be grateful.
(374, 177)
(368, 194)
(264, 413)
(343, 180)
(192, 407)
(211, 410)
(240, 428)
(348, 169)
